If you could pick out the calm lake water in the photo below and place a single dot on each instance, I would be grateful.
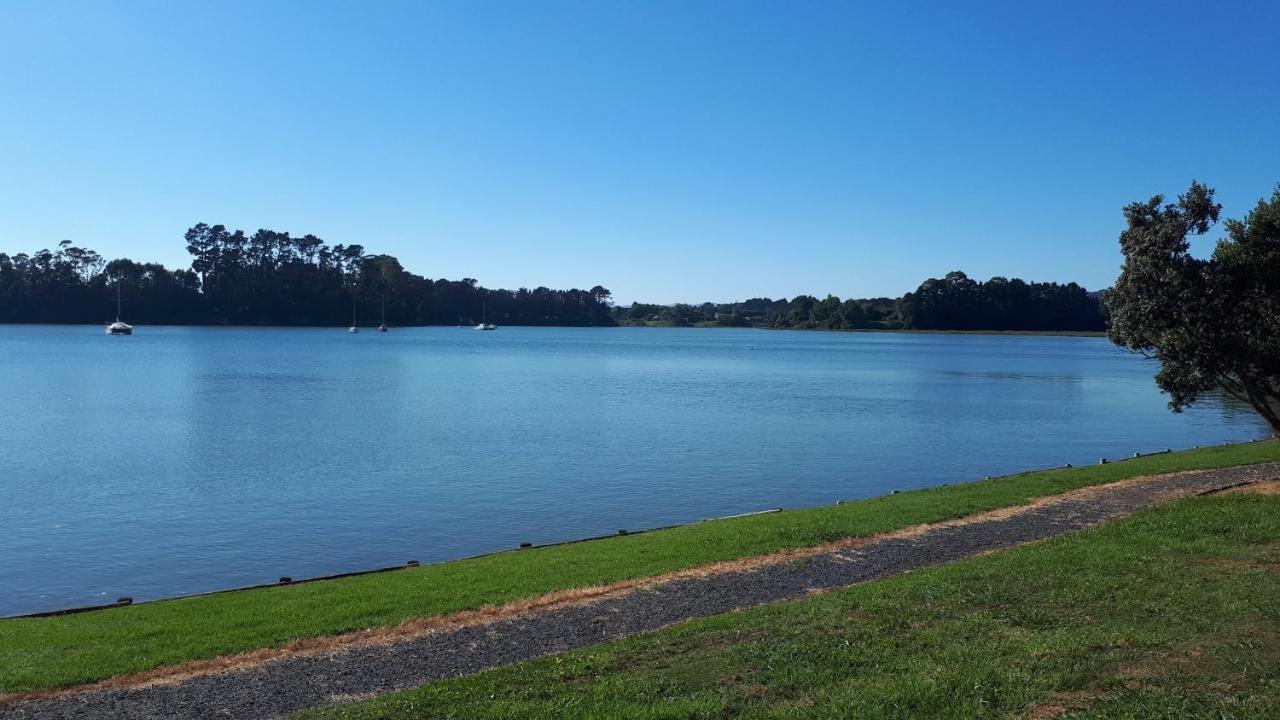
(181, 460)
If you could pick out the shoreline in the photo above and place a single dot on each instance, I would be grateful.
(70, 650)
(628, 326)
(284, 581)
(450, 646)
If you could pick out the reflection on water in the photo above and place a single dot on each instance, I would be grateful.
(187, 459)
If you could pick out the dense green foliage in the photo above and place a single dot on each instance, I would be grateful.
(803, 312)
(57, 651)
(1213, 324)
(958, 302)
(269, 278)
(1162, 615)
(275, 278)
(955, 302)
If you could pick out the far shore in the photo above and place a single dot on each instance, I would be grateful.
(696, 326)
(712, 326)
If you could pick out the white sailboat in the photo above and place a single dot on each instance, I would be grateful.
(119, 327)
(484, 314)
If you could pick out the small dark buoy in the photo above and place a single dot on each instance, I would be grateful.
(526, 545)
(622, 532)
(412, 563)
(286, 580)
(126, 600)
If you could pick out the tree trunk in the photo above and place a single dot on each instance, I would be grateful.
(1266, 401)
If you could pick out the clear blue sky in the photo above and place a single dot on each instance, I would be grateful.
(671, 151)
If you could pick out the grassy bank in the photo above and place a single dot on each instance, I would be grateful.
(1170, 613)
(58, 651)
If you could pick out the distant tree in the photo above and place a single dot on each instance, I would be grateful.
(957, 302)
(1213, 324)
(643, 311)
(204, 242)
(800, 311)
(852, 314)
(826, 313)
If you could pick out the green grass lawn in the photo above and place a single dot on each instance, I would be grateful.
(60, 651)
(1171, 613)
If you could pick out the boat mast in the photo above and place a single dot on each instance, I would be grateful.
(117, 301)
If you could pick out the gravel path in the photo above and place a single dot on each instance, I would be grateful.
(287, 685)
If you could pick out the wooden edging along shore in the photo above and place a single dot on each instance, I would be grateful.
(287, 580)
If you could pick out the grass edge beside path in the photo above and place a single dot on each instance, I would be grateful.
(42, 653)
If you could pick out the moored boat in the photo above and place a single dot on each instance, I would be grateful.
(119, 327)
(484, 319)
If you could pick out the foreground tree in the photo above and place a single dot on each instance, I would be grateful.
(1213, 324)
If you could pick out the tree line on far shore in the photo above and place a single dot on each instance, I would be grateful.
(275, 278)
(955, 302)
(269, 278)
